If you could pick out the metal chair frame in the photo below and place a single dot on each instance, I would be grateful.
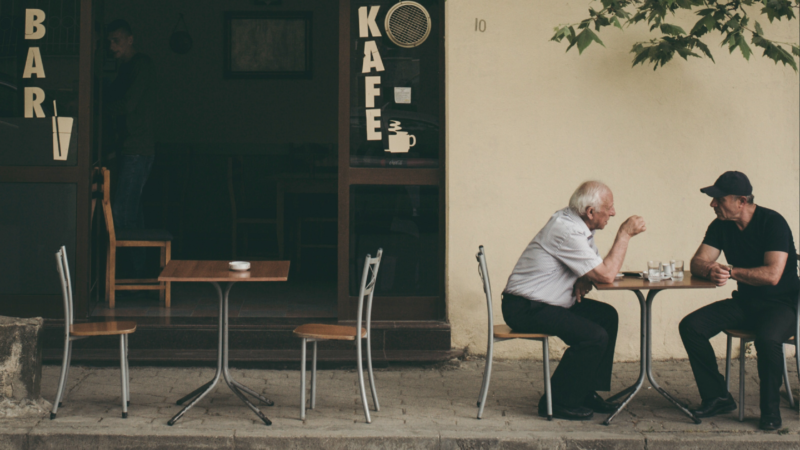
(371, 266)
(487, 374)
(69, 338)
(742, 346)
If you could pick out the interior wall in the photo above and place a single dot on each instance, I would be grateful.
(196, 105)
(527, 123)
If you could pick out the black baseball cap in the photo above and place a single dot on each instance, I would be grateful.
(729, 183)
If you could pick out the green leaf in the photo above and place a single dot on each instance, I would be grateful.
(710, 22)
(616, 23)
(796, 50)
(758, 29)
(672, 30)
(704, 48)
(585, 38)
(746, 52)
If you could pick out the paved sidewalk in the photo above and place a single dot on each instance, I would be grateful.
(421, 407)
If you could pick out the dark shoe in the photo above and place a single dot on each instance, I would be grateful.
(598, 405)
(770, 423)
(715, 406)
(564, 412)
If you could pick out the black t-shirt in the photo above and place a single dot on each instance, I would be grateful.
(766, 232)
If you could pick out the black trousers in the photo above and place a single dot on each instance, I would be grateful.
(590, 330)
(772, 321)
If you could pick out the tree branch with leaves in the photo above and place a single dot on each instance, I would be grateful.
(731, 19)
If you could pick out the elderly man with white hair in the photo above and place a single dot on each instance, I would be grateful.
(545, 294)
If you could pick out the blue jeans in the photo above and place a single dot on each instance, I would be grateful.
(127, 207)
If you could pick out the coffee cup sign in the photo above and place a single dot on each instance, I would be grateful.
(400, 141)
(34, 96)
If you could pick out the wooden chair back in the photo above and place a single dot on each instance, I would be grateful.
(105, 188)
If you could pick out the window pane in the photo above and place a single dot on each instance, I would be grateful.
(400, 102)
(404, 221)
(52, 61)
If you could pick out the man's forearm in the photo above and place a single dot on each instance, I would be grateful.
(757, 276)
(701, 268)
(616, 256)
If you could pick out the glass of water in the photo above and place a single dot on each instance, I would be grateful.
(654, 270)
(677, 269)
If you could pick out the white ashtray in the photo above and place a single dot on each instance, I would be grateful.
(239, 266)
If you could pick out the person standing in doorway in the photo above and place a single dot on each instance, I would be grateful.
(132, 102)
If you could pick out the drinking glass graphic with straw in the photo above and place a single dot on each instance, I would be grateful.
(62, 133)
(400, 141)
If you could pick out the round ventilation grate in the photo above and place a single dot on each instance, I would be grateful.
(408, 24)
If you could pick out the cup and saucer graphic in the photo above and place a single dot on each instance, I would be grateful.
(399, 141)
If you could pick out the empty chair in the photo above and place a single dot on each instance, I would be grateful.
(321, 332)
(73, 332)
(132, 238)
(747, 336)
(499, 333)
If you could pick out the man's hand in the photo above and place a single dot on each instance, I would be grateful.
(581, 288)
(718, 274)
(633, 226)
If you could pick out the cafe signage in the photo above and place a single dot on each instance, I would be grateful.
(35, 96)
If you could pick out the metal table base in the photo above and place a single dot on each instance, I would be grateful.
(646, 361)
(222, 369)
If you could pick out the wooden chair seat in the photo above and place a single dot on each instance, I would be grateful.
(144, 235)
(330, 332)
(747, 335)
(102, 328)
(505, 332)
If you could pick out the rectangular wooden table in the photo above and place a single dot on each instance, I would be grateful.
(216, 272)
(636, 285)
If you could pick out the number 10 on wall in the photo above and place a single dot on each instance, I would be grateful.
(480, 25)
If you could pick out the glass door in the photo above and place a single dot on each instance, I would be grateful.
(391, 156)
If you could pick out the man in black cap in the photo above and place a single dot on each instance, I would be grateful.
(760, 252)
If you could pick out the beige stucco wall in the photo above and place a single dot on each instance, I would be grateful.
(527, 123)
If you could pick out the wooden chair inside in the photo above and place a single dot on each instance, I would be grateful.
(131, 238)
(244, 214)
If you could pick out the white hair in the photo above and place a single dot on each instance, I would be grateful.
(588, 194)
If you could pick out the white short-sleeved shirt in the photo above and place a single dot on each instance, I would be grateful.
(563, 251)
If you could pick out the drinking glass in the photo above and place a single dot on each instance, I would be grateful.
(654, 270)
(677, 269)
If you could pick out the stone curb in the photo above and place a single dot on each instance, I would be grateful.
(21, 439)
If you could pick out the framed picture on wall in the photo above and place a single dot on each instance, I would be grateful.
(267, 44)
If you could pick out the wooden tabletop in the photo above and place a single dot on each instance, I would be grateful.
(186, 270)
(634, 283)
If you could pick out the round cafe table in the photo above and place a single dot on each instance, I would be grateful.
(636, 285)
(216, 272)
